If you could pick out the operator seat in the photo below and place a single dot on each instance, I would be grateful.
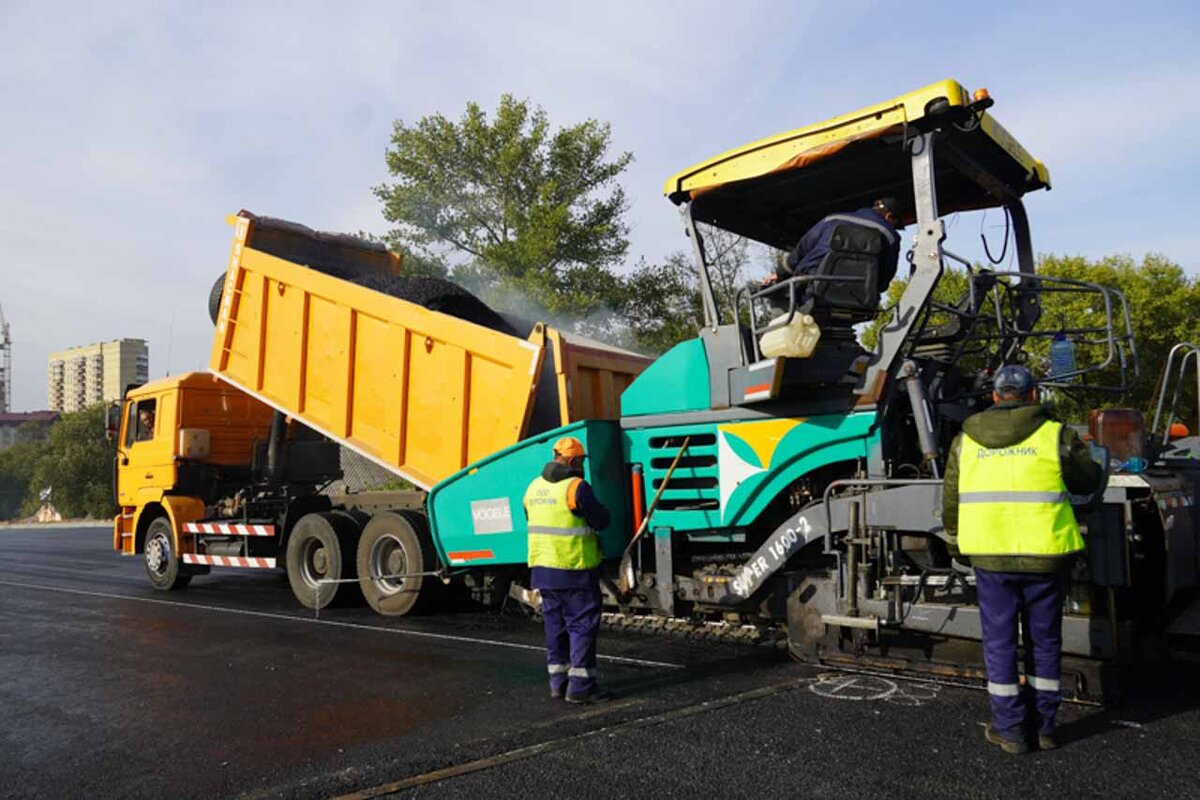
(855, 251)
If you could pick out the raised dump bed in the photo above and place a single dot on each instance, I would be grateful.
(420, 392)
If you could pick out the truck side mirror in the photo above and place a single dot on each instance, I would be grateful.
(112, 421)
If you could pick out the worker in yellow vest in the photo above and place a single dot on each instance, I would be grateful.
(564, 559)
(1005, 505)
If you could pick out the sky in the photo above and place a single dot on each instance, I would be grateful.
(131, 130)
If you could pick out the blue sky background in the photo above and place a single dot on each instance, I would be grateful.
(130, 130)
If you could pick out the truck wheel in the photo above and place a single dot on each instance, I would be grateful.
(396, 543)
(214, 298)
(162, 562)
(321, 547)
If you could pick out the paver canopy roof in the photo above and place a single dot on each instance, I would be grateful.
(774, 189)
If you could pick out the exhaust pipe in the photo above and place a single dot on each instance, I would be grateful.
(274, 472)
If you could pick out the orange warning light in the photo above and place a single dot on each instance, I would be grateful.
(981, 94)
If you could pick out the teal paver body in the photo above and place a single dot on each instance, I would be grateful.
(730, 472)
(476, 516)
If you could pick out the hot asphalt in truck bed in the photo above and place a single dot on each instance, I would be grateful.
(228, 688)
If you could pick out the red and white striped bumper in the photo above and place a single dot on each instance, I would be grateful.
(228, 529)
(229, 561)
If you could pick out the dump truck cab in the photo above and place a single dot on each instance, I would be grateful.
(182, 440)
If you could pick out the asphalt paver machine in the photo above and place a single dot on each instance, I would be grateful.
(827, 472)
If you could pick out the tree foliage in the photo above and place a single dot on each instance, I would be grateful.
(1162, 299)
(661, 303)
(16, 469)
(1162, 302)
(74, 462)
(507, 200)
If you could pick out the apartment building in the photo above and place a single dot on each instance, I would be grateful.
(95, 373)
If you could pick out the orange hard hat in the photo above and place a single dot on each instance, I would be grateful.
(1178, 430)
(568, 447)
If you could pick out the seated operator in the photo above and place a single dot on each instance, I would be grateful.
(145, 426)
(812, 248)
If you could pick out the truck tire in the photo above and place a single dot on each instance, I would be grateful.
(396, 543)
(163, 567)
(321, 547)
(214, 298)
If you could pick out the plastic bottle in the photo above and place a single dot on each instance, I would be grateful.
(797, 339)
(1135, 464)
(1062, 357)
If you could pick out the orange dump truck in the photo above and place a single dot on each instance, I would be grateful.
(227, 469)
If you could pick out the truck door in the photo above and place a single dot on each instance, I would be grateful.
(144, 460)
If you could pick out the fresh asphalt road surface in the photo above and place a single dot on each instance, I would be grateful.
(110, 689)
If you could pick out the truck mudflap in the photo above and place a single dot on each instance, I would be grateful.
(913, 506)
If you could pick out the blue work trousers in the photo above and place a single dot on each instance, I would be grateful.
(572, 620)
(1035, 602)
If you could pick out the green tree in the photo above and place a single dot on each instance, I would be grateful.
(1162, 302)
(661, 302)
(75, 463)
(1161, 298)
(16, 469)
(509, 201)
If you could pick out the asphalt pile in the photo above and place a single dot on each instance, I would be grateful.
(437, 294)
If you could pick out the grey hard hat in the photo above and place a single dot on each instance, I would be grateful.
(1013, 379)
(889, 205)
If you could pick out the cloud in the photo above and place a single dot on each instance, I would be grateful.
(1125, 121)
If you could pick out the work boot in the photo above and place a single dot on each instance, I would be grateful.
(1014, 747)
(558, 692)
(594, 696)
(1047, 741)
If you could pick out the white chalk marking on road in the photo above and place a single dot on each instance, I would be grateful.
(852, 687)
(840, 686)
(448, 637)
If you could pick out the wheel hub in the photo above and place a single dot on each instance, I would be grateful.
(315, 564)
(387, 559)
(156, 554)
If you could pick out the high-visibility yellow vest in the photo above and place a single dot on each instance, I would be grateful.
(1013, 501)
(558, 537)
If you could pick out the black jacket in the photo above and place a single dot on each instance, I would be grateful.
(812, 248)
(1000, 426)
